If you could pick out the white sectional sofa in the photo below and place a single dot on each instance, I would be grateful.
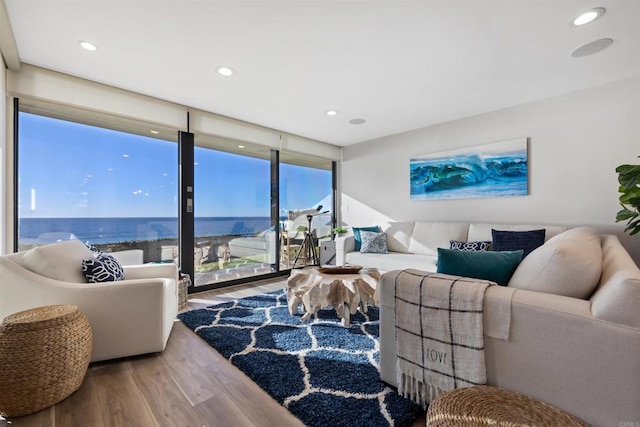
(414, 244)
(578, 354)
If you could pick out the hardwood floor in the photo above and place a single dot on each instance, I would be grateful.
(189, 384)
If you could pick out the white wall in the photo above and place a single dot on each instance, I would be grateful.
(575, 143)
(3, 156)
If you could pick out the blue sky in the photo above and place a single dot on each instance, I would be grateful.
(72, 170)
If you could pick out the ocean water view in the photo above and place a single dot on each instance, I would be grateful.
(118, 230)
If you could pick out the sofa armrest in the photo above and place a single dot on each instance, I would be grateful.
(558, 352)
(344, 245)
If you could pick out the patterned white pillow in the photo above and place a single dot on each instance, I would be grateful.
(373, 243)
(482, 245)
(102, 268)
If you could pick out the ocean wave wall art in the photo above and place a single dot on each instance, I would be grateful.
(498, 169)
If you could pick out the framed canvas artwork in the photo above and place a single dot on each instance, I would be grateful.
(498, 169)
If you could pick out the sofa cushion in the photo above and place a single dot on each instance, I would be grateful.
(568, 264)
(488, 265)
(102, 268)
(427, 237)
(392, 261)
(398, 236)
(60, 261)
(358, 238)
(373, 243)
(483, 245)
(504, 240)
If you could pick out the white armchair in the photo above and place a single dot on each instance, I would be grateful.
(128, 317)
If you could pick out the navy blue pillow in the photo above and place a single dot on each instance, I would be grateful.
(516, 240)
(102, 268)
(488, 265)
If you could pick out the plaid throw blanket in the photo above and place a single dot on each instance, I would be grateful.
(438, 334)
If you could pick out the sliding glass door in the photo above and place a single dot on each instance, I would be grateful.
(306, 207)
(233, 233)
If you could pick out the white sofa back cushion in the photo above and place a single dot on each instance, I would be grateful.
(427, 237)
(398, 236)
(482, 231)
(61, 261)
(568, 264)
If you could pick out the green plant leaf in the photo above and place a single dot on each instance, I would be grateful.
(633, 225)
(625, 214)
(629, 176)
(629, 189)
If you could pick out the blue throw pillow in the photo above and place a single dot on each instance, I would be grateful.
(373, 243)
(488, 265)
(515, 240)
(102, 268)
(483, 245)
(356, 234)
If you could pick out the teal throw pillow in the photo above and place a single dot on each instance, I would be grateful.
(488, 265)
(358, 238)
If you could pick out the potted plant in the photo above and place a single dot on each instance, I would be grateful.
(629, 179)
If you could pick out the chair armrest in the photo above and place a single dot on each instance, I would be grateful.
(150, 271)
(129, 257)
(343, 246)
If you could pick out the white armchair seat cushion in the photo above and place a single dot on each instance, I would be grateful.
(62, 261)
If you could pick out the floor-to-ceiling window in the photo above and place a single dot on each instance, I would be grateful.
(306, 207)
(113, 189)
(114, 183)
(234, 238)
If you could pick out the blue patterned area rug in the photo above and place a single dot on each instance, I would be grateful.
(323, 373)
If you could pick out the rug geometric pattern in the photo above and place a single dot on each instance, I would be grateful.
(323, 373)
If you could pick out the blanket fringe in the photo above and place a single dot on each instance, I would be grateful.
(417, 391)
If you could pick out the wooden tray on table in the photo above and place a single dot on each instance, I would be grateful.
(350, 269)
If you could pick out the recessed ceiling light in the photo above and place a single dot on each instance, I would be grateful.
(591, 47)
(88, 45)
(225, 71)
(240, 146)
(357, 121)
(155, 132)
(586, 17)
(332, 113)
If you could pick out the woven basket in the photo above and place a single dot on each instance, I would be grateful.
(183, 291)
(44, 355)
(482, 405)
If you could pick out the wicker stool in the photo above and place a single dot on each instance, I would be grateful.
(482, 405)
(44, 355)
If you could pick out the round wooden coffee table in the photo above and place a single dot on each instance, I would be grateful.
(346, 293)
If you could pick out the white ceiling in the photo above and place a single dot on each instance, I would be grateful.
(400, 65)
